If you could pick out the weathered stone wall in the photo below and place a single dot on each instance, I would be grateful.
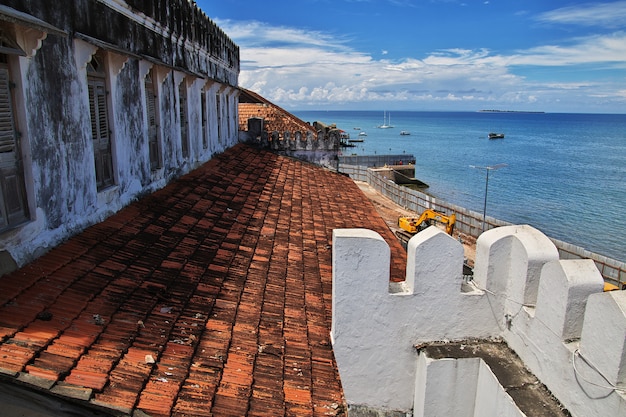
(175, 33)
(173, 40)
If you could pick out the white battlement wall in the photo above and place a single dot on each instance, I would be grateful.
(552, 313)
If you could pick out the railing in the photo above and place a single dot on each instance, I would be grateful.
(471, 222)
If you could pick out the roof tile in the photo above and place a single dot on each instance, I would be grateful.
(211, 296)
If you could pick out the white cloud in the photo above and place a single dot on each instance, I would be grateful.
(297, 69)
(588, 50)
(591, 14)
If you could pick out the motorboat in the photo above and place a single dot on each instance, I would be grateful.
(405, 133)
(493, 135)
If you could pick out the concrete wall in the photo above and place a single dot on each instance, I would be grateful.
(175, 41)
(552, 313)
(368, 161)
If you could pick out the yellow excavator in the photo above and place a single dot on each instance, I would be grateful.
(409, 226)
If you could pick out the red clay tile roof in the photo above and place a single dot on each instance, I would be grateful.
(274, 117)
(211, 296)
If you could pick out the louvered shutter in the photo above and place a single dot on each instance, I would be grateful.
(7, 127)
(100, 132)
(184, 128)
(13, 207)
(205, 139)
(153, 143)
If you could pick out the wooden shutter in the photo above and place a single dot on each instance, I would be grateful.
(7, 127)
(218, 109)
(100, 132)
(184, 125)
(13, 206)
(153, 142)
(205, 139)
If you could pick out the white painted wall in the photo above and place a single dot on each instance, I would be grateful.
(447, 387)
(375, 330)
(460, 388)
(551, 312)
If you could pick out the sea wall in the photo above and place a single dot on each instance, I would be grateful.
(471, 222)
(551, 312)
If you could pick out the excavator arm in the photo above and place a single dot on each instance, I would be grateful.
(416, 224)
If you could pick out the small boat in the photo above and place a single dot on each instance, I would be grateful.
(405, 133)
(496, 135)
(362, 133)
(355, 140)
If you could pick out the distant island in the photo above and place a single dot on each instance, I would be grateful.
(509, 111)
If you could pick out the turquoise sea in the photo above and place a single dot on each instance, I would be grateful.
(565, 174)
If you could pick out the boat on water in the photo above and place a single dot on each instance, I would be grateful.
(493, 135)
(405, 133)
(355, 140)
(386, 121)
(362, 133)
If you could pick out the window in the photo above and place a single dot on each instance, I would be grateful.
(13, 205)
(184, 123)
(153, 135)
(219, 117)
(205, 138)
(100, 132)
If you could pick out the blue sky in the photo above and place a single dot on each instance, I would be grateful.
(536, 55)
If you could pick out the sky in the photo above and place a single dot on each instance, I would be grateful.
(439, 55)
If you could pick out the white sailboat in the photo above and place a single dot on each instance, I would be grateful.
(386, 121)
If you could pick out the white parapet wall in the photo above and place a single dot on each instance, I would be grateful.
(460, 388)
(551, 312)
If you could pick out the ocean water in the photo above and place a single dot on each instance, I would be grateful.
(565, 174)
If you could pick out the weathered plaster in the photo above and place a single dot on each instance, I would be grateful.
(52, 106)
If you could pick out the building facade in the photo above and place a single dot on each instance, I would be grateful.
(102, 101)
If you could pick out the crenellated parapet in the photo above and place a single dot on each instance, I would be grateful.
(552, 313)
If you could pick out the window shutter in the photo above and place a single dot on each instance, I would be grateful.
(13, 204)
(153, 144)
(103, 158)
(184, 137)
(205, 140)
(7, 127)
